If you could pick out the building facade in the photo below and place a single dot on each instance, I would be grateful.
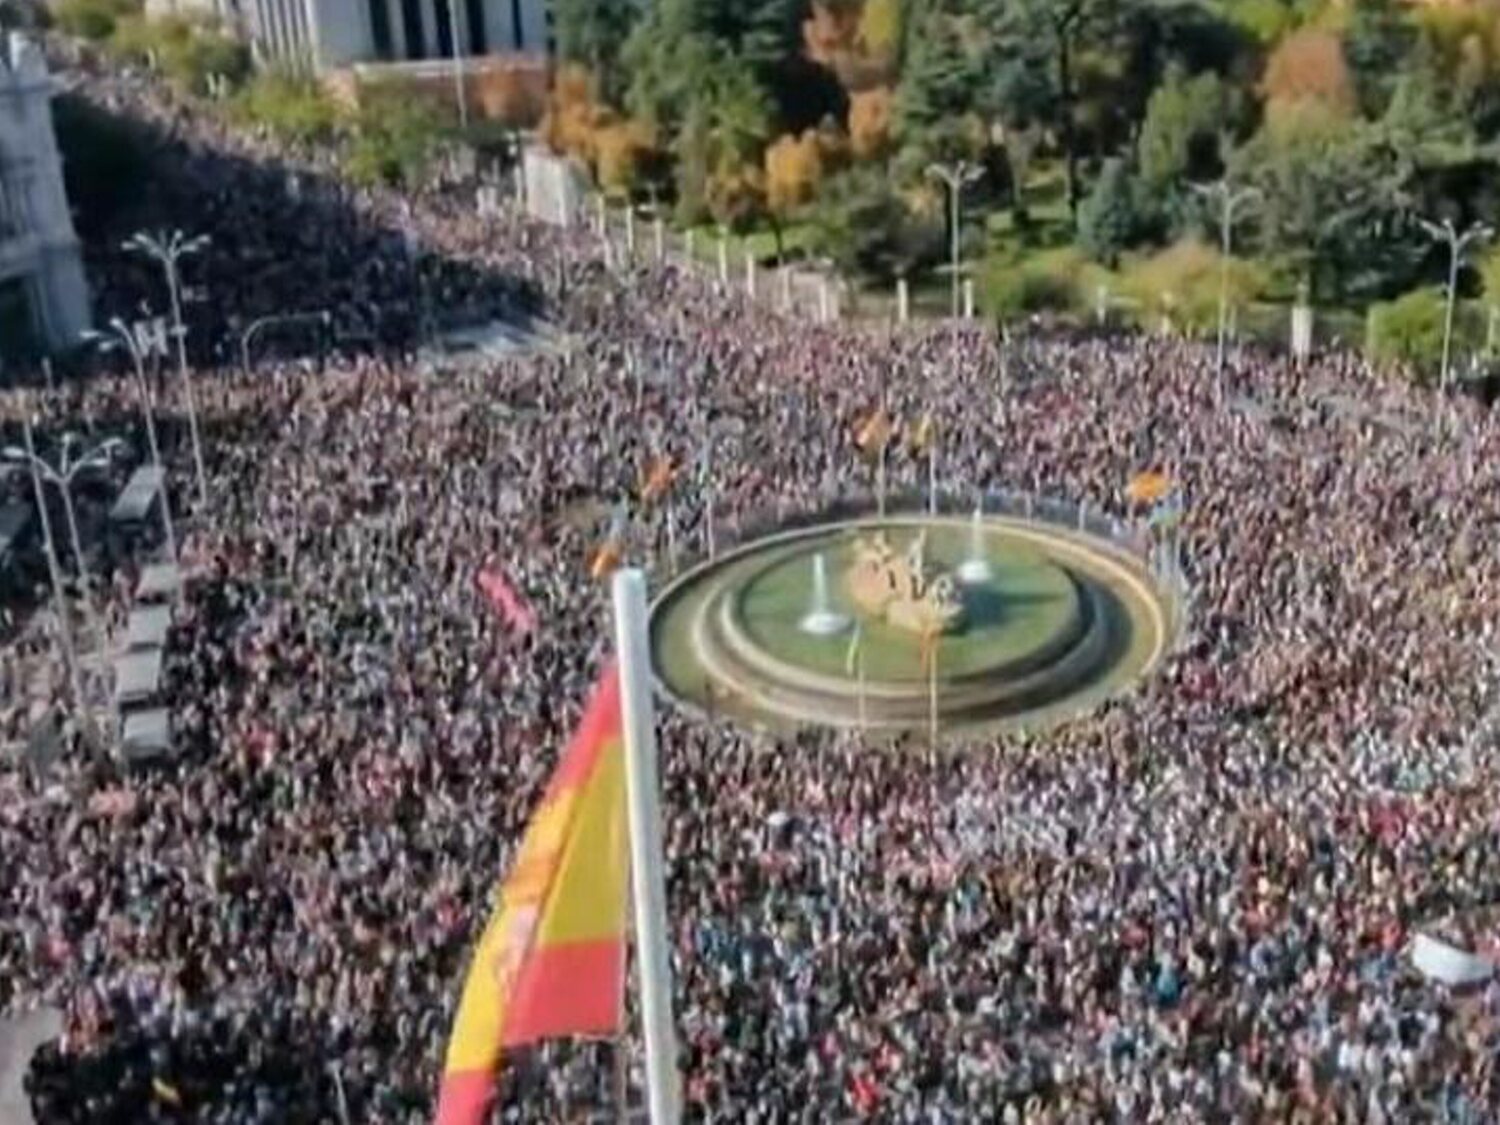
(44, 303)
(331, 34)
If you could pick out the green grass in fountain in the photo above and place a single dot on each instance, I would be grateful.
(1027, 609)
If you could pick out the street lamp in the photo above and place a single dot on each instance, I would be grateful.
(27, 456)
(62, 477)
(169, 248)
(138, 340)
(1457, 242)
(956, 176)
(1228, 200)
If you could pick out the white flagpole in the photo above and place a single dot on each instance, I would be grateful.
(647, 866)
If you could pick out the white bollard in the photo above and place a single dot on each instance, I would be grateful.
(630, 230)
(903, 301)
(723, 259)
(601, 216)
(659, 233)
(968, 298)
(749, 275)
(786, 288)
(825, 312)
(687, 246)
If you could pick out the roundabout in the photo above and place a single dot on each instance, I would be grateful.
(893, 623)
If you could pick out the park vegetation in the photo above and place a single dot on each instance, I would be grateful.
(816, 121)
(812, 127)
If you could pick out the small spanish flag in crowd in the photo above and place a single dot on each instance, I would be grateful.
(874, 432)
(551, 961)
(1148, 487)
(605, 560)
(656, 482)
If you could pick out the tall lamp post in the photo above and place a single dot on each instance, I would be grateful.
(138, 340)
(1458, 241)
(61, 477)
(169, 248)
(1228, 200)
(957, 176)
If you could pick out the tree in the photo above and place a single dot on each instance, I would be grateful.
(1108, 221)
(1409, 331)
(1329, 197)
(1309, 65)
(292, 106)
(91, 19)
(621, 152)
(881, 23)
(1179, 138)
(794, 167)
(592, 33)
(1058, 29)
(1182, 282)
(574, 114)
(870, 122)
(941, 85)
(864, 226)
(1378, 41)
(395, 137)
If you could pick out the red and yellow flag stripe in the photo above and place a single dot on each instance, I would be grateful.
(551, 961)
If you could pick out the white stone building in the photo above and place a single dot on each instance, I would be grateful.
(44, 303)
(330, 34)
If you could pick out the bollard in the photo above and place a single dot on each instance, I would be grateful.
(723, 259)
(903, 301)
(968, 298)
(749, 275)
(659, 233)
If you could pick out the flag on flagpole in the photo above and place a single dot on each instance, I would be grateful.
(1147, 487)
(874, 433)
(551, 960)
(657, 481)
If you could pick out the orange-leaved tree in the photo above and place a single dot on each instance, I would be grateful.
(1309, 66)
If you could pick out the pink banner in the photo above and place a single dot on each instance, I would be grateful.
(513, 609)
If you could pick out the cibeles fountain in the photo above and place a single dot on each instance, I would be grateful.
(888, 622)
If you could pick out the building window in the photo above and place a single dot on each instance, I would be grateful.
(444, 28)
(478, 45)
(380, 28)
(411, 20)
(518, 29)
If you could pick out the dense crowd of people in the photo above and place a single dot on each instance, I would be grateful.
(1192, 905)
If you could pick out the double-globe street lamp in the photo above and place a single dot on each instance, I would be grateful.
(140, 339)
(1229, 200)
(169, 248)
(957, 176)
(62, 476)
(1458, 241)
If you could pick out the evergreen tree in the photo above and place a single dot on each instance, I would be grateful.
(593, 33)
(1107, 221)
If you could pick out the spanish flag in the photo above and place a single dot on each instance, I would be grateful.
(551, 961)
(657, 480)
(872, 435)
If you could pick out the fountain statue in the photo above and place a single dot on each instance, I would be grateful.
(821, 620)
(898, 590)
(976, 568)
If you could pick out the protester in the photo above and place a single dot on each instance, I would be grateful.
(1192, 905)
